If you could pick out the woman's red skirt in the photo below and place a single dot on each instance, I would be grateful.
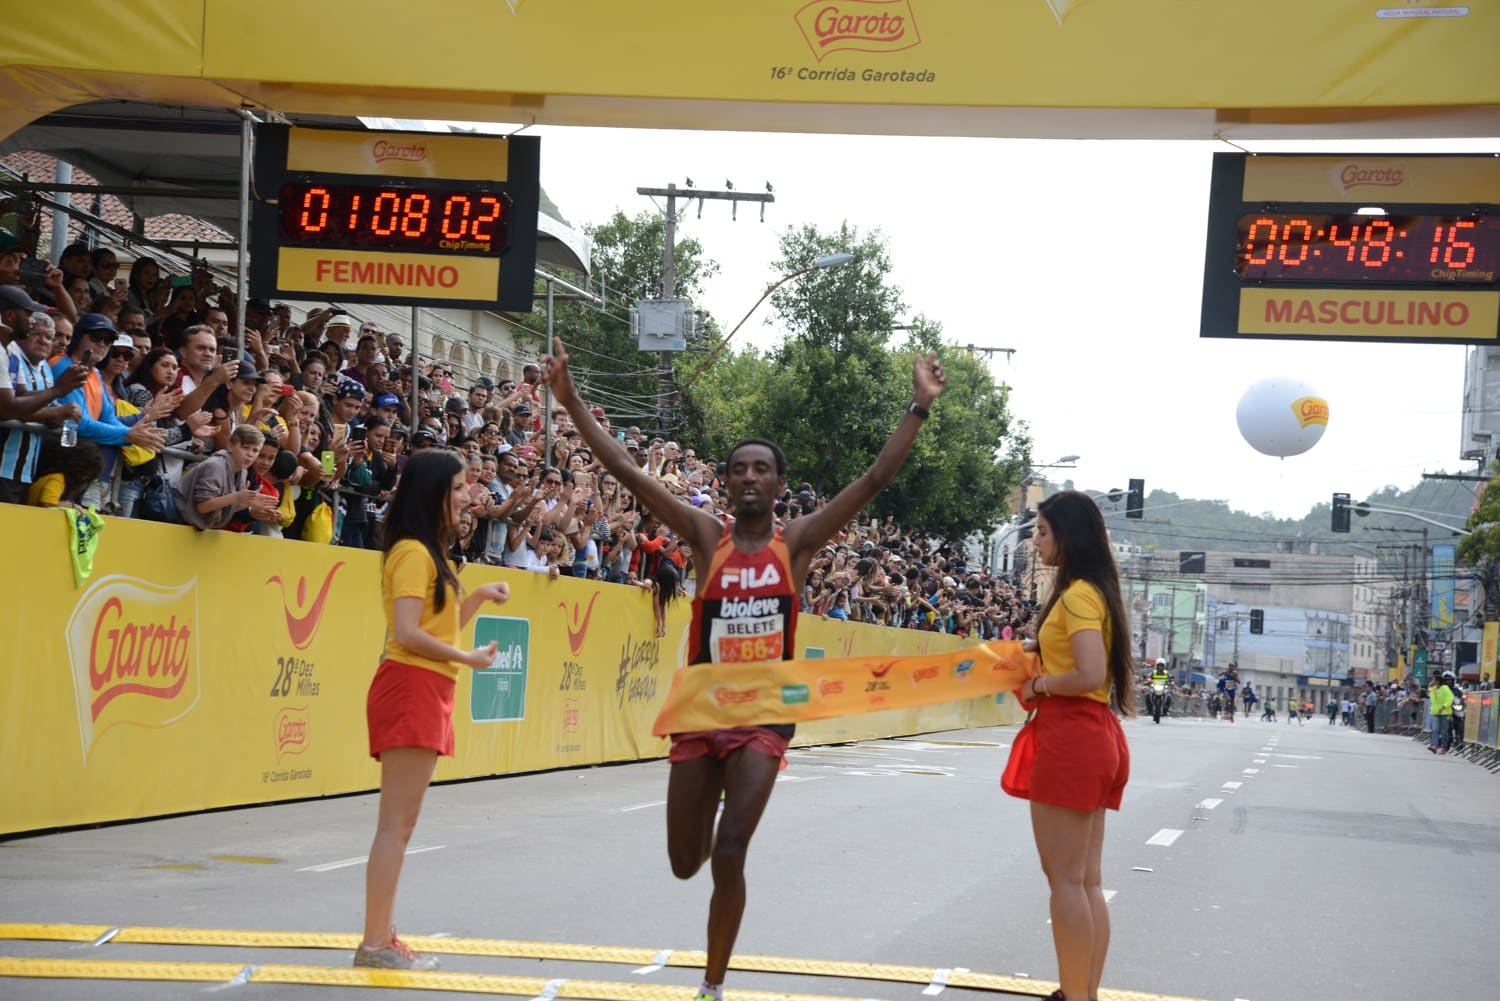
(1079, 756)
(410, 706)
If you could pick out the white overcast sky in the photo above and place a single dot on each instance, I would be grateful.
(1087, 259)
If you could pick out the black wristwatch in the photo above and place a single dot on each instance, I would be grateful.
(918, 409)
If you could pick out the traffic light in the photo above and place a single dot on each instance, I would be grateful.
(1135, 501)
(1257, 620)
(1028, 519)
(1341, 512)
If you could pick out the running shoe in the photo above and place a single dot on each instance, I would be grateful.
(394, 955)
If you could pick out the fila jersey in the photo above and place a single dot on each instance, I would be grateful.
(747, 610)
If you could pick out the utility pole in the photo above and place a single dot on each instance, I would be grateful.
(665, 386)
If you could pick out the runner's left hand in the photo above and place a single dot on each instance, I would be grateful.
(928, 379)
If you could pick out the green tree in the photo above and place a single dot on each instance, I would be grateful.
(831, 392)
(955, 483)
(627, 263)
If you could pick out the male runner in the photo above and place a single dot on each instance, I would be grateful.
(750, 577)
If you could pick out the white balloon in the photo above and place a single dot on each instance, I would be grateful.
(1282, 417)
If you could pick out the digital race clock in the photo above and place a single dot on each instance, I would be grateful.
(1310, 247)
(1388, 248)
(408, 218)
(421, 217)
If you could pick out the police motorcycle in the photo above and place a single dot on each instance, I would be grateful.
(1159, 693)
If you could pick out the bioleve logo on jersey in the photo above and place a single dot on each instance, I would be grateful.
(133, 651)
(302, 618)
(858, 26)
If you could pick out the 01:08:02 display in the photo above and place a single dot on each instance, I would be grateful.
(1414, 249)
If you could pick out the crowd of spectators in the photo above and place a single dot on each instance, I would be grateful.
(303, 435)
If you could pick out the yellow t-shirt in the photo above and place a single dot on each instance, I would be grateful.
(410, 573)
(46, 491)
(1079, 608)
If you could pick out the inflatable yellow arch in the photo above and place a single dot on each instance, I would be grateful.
(1350, 69)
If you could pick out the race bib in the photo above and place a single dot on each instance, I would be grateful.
(739, 641)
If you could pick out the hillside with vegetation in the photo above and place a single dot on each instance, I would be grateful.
(1172, 522)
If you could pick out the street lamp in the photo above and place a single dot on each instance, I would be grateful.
(818, 264)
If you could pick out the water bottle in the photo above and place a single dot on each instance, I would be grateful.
(69, 433)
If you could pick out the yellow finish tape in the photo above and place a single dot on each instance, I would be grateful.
(517, 949)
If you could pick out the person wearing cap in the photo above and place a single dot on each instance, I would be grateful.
(28, 392)
(387, 405)
(348, 404)
(337, 329)
(92, 337)
(236, 404)
(15, 307)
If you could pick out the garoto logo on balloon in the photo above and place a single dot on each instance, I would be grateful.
(1282, 417)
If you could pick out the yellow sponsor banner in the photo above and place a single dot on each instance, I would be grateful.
(1373, 180)
(1397, 314)
(202, 670)
(1489, 646)
(1039, 53)
(331, 273)
(711, 696)
(398, 154)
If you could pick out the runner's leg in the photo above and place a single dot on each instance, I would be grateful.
(693, 789)
(748, 779)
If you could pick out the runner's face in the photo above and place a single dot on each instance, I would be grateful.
(753, 480)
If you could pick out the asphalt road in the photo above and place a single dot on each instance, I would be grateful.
(1255, 861)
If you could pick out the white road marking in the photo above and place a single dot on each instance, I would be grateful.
(1164, 837)
(1109, 895)
(1300, 757)
(1258, 761)
(643, 806)
(1208, 804)
(1249, 771)
(1286, 766)
(361, 860)
(800, 778)
(1233, 785)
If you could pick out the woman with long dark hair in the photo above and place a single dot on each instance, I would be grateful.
(410, 705)
(1082, 762)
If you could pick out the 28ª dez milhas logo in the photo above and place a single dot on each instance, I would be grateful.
(498, 692)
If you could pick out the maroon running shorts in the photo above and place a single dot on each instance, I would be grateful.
(1082, 761)
(409, 706)
(719, 743)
